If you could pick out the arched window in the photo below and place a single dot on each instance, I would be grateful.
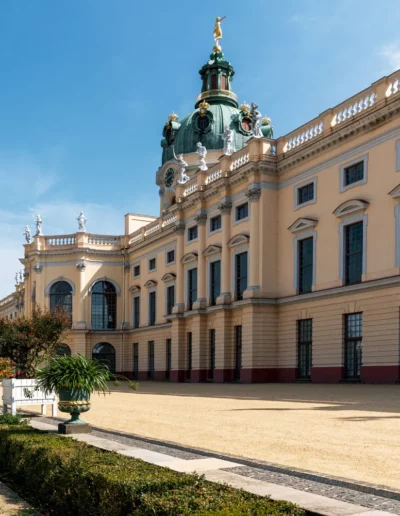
(61, 297)
(63, 349)
(104, 306)
(105, 353)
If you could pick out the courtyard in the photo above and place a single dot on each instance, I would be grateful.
(347, 431)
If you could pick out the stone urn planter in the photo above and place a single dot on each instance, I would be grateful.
(74, 379)
(74, 403)
(25, 392)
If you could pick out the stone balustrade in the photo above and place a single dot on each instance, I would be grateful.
(240, 158)
(61, 240)
(348, 110)
(152, 228)
(104, 240)
(168, 220)
(213, 175)
(191, 188)
(7, 300)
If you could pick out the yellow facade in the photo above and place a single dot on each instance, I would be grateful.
(255, 338)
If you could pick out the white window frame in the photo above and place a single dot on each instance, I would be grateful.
(236, 205)
(347, 221)
(342, 168)
(133, 270)
(213, 216)
(169, 283)
(239, 250)
(188, 267)
(167, 263)
(133, 310)
(191, 226)
(296, 189)
(302, 235)
(215, 257)
(150, 291)
(148, 264)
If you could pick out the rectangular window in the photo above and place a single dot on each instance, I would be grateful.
(136, 271)
(135, 361)
(150, 371)
(241, 275)
(215, 281)
(352, 346)
(354, 173)
(305, 260)
(192, 287)
(215, 223)
(171, 256)
(212, 355)
(189, 356)
(136, 312)
(353, 252)
(238, 351)
(304, 348)
(168, 359)
(305, 194)
(214, 84)
(170, 299)
(152, 264)
(192, 233)
(242, 211)
(152, 308)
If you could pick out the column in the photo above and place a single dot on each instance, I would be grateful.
(78, 302)
(201, 302)
(253, 288)
(180, 278)
(225, 297)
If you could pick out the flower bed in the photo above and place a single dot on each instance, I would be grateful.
(65, 477)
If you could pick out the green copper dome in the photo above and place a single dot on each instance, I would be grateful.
(216, 107)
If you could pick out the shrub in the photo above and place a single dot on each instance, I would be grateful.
(5, 368)
(9, 419)
(73, 478)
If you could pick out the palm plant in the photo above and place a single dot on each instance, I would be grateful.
(77, 374)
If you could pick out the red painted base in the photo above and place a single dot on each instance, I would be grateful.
(224, 375)
(199, 375)
(326, 374)
(258, 375)
(178, 375)
(380, 374)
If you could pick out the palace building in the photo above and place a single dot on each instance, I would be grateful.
(272, 260)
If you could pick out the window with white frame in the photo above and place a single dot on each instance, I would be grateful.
(136, 311)
(152, 264)
(192, 233)
(215, 223)
(353, 173)
(170, 256)
(305, 193)
(242, 211)
(152, 308)
(136, 271)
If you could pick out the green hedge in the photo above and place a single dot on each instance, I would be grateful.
(65, 477)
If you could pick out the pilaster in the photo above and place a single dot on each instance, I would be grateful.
(201, 301)
(226, 296)
(253, 289)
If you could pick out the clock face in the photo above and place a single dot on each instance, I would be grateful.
(169, 177)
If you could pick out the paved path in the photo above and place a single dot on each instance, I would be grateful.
(11, 503)
(227, 471)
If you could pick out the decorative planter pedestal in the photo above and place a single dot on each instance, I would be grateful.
(19, 393)
(73, 403)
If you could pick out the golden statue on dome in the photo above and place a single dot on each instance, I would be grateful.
(218, 33)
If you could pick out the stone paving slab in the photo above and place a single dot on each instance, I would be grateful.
(308, 501)
(149, 456)
(197, 465)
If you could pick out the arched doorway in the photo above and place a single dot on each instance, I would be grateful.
(63, 349)
(105, 353)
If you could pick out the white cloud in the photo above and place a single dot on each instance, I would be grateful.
(391, 54)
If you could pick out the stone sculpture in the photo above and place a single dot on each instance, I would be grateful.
(81, 223)
(39, 225)
(255, 116)
(183, 177)
(228, 137)
(202, 152)
(27, 235)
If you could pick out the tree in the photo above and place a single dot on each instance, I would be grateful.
(27, 342)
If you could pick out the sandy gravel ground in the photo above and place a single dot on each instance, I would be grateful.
(350, 431)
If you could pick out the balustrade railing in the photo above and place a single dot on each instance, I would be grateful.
(168, 220)
(190, 189)
(213, 175)
(104, 240)
(152, 228)
(240, 158)
(394, 87)
(7, 300)
(354, 109)
(61, 240)
(304, 136)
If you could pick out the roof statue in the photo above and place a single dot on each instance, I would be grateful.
(39, 225)
(27, 235)
(228, 138)
(202, 153)
(218, 33)
(81, 223)
(183, 177)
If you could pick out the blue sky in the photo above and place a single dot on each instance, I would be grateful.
(86, 87)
